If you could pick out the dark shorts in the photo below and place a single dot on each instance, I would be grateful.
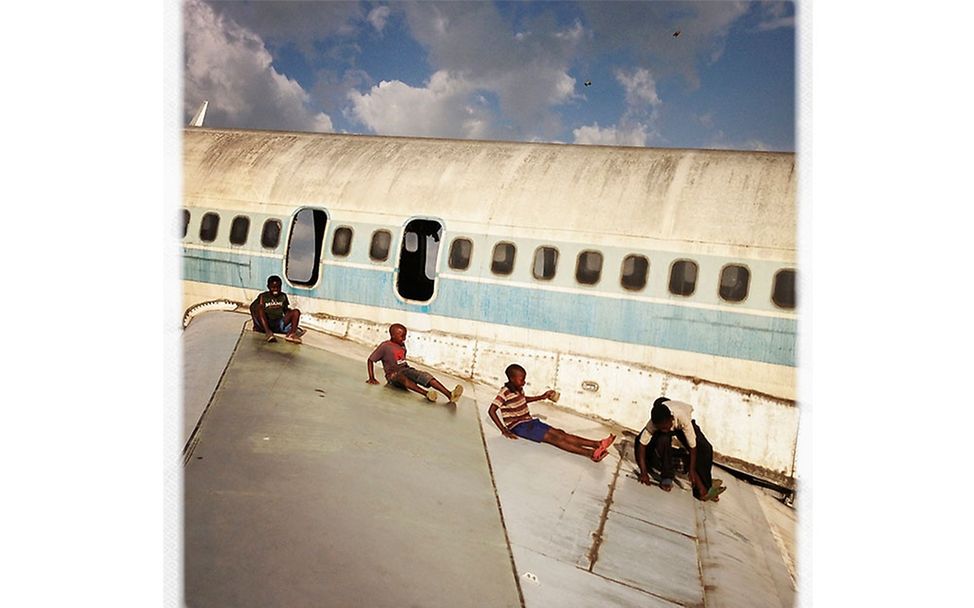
(533, 429)
(419, 377)
(277, 326)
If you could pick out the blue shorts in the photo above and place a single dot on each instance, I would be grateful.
(532, 429)
(278, 327)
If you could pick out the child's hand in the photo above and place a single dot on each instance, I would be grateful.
(510, 435)
(372, 381)
(645, 479)
(548, 395)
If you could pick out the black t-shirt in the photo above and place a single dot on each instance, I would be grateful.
(275, 306)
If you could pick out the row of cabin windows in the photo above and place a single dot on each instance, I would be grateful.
(420, 243)
(734, 279)
(270, 234)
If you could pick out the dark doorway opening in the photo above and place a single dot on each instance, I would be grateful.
(304, 246)
(417, 260)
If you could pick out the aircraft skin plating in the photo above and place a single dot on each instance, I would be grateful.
(734, 360)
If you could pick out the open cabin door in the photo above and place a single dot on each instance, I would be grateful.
(416, 274)
(302, 263)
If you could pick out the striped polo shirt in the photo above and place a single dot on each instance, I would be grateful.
(513, 406)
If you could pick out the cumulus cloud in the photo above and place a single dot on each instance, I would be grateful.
(527, 71)
(378, 17)
(646, 30)
(632, 135)
(775, 15)
(301, 24)
(447, 106)
(230, 66)
(774, 24)
(640, 88)
(332, 85)
(636, 127)
(720, 141)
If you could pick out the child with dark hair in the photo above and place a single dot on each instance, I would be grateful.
(272, 313)
(654, 448)
(392, 353)
(518, 422)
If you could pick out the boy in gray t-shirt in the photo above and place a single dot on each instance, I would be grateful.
(392, 353)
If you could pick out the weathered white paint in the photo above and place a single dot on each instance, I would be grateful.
(705, 196)
(735, 421)
(774, 380)
(687, 202)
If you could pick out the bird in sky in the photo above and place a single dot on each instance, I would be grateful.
(676, 33)
(588, 83)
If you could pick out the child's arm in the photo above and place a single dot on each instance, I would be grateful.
(545, 395)
(500, 425)
(263, 318)
(641, 461)
(371, 379)
(372, 358)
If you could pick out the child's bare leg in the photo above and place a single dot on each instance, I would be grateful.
(409, 384)
(583, 442)
(560, 439)
(436, 384)
(291, 318)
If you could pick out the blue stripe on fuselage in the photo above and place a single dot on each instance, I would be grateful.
(671, 326)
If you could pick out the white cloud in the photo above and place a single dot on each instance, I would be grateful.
(645, 29)
(775, 16)
(632, 135)
(230, 66)
(640, 88)
(447, 106)
(636, 127)
(526, 70)
(757, 145)
(720, 141)
(299, 23)
(774, 24)
(378, 17)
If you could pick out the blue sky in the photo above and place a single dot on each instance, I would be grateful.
(500, 70)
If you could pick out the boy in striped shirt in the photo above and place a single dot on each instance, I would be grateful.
(518, 422)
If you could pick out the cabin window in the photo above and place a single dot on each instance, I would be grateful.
(635, 270)
(341, 243)
(460, 250)
(185, 222)
(589, 267)
(304, 246)
(209, 227)
(683, 277)
(502, 262)
(734, 280)
(783, 293)
(417, 260)
(270, 235)
(545, 262)
(239, 229)
(379, 249)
